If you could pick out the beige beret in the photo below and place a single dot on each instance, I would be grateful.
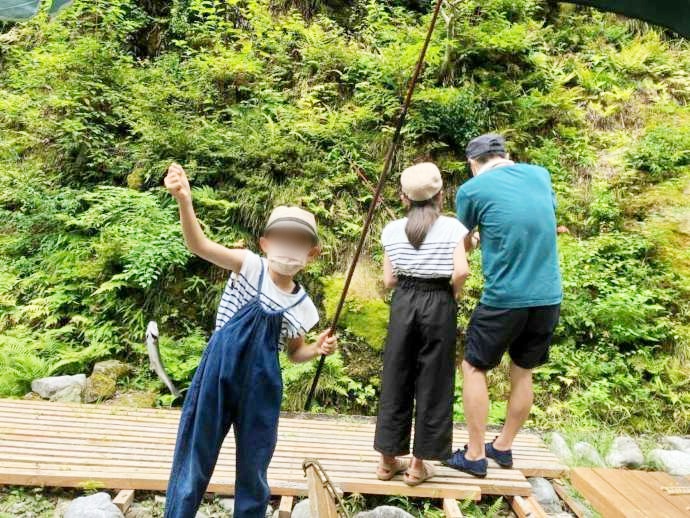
(421, 182)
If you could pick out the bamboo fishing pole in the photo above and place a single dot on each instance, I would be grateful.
(387, 167)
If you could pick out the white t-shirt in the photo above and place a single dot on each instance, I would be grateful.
(434, 258)
(242, 288)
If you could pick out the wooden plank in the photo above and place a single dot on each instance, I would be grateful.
(320, 500)
(648, 500)
(451, 508)
(124, 499)
(342, 423)
(527, 507)
(655, 481)
(605, 499)
(285, 508)
(578, 509)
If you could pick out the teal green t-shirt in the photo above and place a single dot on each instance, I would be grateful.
(514, 208)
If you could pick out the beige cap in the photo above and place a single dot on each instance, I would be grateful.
(421, 182)
(292, 218)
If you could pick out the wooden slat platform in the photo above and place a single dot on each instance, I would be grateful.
(617, 493)
(68, 445)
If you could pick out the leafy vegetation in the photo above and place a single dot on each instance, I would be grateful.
(277, 102)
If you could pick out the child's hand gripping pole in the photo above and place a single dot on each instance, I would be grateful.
(387, 166)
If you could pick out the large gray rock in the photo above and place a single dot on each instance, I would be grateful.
(678, 443)
(545, 495)
(47, 387)
(674, 462)
(559, 446)
(624, 453)
(302, 509)
(384, 511)
(69, 394)
(98, 505)
(587, 453)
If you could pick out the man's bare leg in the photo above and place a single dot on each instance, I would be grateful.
(519, 406)
(475, 398)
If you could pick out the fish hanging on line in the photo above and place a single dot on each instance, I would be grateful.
(155, 361)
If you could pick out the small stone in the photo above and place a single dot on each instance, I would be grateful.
(384, 511)
(269, 511)
(302, 509)
(134, 399)
(32, 396)
(158, 499)
(69, 394)
(678, 443)
(138, 511)
(588, 453)
(674, 462)
(545, 495)
(624, 453)
(46, 387)
(559, 446)
(227, 504)
(98, 505)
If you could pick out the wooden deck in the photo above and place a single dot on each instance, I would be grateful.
(617, 493)
(69, 445)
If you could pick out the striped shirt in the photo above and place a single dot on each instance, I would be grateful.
(242, 287)
(434, 258)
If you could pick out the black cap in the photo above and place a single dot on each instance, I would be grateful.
(488, 143)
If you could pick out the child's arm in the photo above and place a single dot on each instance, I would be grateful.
(299, 352)
(177, 184)
(389, 278)
(461, 270)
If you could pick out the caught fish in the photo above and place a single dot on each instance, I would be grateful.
(155, 361)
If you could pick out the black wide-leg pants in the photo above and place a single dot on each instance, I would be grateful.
(418, 367)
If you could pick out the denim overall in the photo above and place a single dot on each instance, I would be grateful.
(238, 382)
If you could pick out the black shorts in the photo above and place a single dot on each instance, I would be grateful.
(525, 333)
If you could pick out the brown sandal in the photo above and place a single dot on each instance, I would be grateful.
(400, 466)
(414, 480)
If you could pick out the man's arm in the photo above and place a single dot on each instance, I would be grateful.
(466, 214)
(178, 186)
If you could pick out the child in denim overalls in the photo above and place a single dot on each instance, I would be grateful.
(238, 381)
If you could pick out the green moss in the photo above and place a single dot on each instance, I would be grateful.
(365, 318)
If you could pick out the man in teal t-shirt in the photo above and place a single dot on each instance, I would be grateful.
(514, 207)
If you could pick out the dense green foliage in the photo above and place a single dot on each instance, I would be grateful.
(264, 104)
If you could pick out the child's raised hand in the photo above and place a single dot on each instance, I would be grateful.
(177, 184)
(326, 343)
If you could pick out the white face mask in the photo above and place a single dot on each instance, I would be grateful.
(286, 259)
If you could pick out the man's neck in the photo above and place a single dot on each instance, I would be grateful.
(493, 163)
